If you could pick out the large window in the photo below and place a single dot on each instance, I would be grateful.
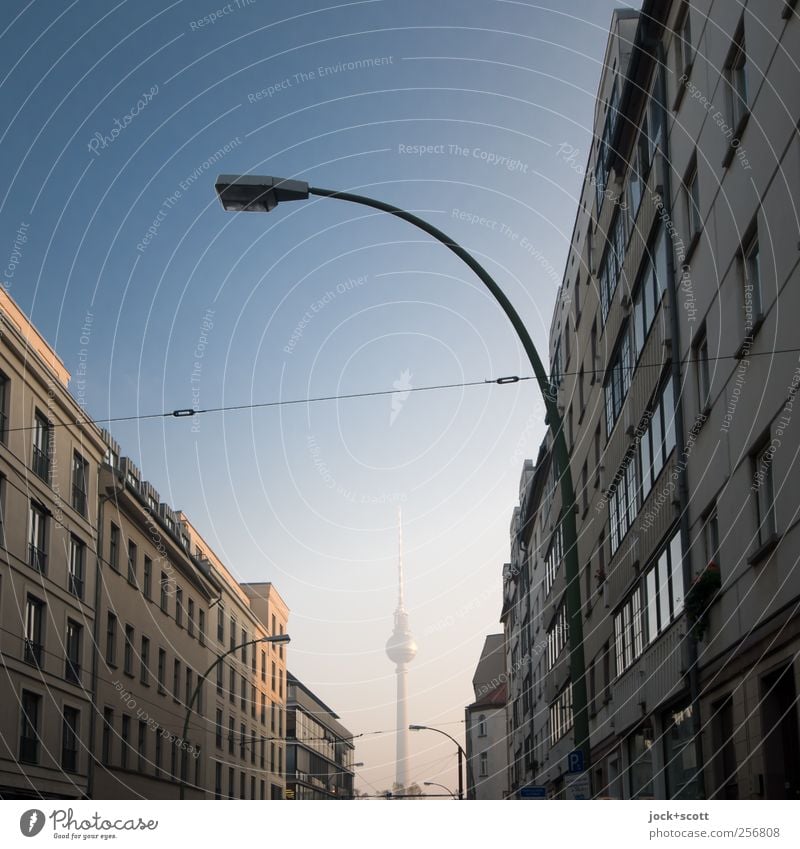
(623, 502)
(618, 382)
(612, 262)
(30, 715)
(553, 559)
(70, 734)
(37, 537)
(663, 583)
(77, 558)
(557, 636)
(111, 640)
(736, 80)
(604, 149)
(34, 630)
(561, 714)
(72, 668)
(650, 287)
(42, 437)
(5, 394)
(628, 631)
(657, 440)
(763, 491)
(753, 295)
(80, 474)
(702, 372)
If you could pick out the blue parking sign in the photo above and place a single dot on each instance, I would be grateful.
(575, 761)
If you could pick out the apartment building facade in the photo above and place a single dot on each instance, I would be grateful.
(677, 410)
(320, 750)
(113, 610)
(485, 725)
(49, 462)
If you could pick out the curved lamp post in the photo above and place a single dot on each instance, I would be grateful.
(249, 193)
(462, 755)
(436, 784)
(278, 639)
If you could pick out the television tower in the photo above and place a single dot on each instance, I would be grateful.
(401, 650)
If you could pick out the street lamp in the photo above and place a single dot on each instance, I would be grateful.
(435, 784)
(278, 639)
(462, 755)
(250, 193)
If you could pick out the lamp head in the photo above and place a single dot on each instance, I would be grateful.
(251, 193)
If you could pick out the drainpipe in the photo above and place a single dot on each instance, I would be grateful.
(692, 673)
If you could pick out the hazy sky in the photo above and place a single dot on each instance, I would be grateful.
(118, 117)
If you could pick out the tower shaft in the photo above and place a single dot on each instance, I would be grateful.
(401, 766)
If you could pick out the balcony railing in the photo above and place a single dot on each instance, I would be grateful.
(37, 558)
(40, 463)
(32, 652)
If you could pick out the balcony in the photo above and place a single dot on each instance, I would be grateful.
(40, 463)
(37, 558)
(32, 653)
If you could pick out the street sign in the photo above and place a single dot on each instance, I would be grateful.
(532, 793)
(575, 761)
(579, 786)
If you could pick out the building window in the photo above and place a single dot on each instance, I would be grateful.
(650, 287)
(108, 735)
(127, 665)
(243, 694)
(231, 735)
(663, 587)
(220, 673)
(126, 741)
(244, 647)
(29, 734)
(217, 780)
(612, 262)
(42, 443)
(144, 668)
(37, 537)
(158, 757)
(553, 559)
(176, 680)
(680, 771)
(111, 640)
(658, 438)
(711, 535)
(702, 372)
(618, 382)
(561, 714)
(753, 296)
(263, 665)
(724, 748)
(736, 80)
(219, 729)
(5, 395)
(640, 764)
(622, 502)
(683, 42)
(34, 631)
(232, 685)
(164, 592)
(232, 645)
(484, 765)
(113, 547)
(162, 671)
(190, 618)
(690, 192)
(557, 635)
(77, 558)
(179, 607)
(242, 741)
(148, 577)
(201, 627)
(72, 669)
(189, 688)
(80, 475)
(628, 631)
(142, 745)
(763, 492)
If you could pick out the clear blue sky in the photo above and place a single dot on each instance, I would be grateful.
(111, 115)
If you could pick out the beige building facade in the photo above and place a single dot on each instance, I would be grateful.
(114, 613)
